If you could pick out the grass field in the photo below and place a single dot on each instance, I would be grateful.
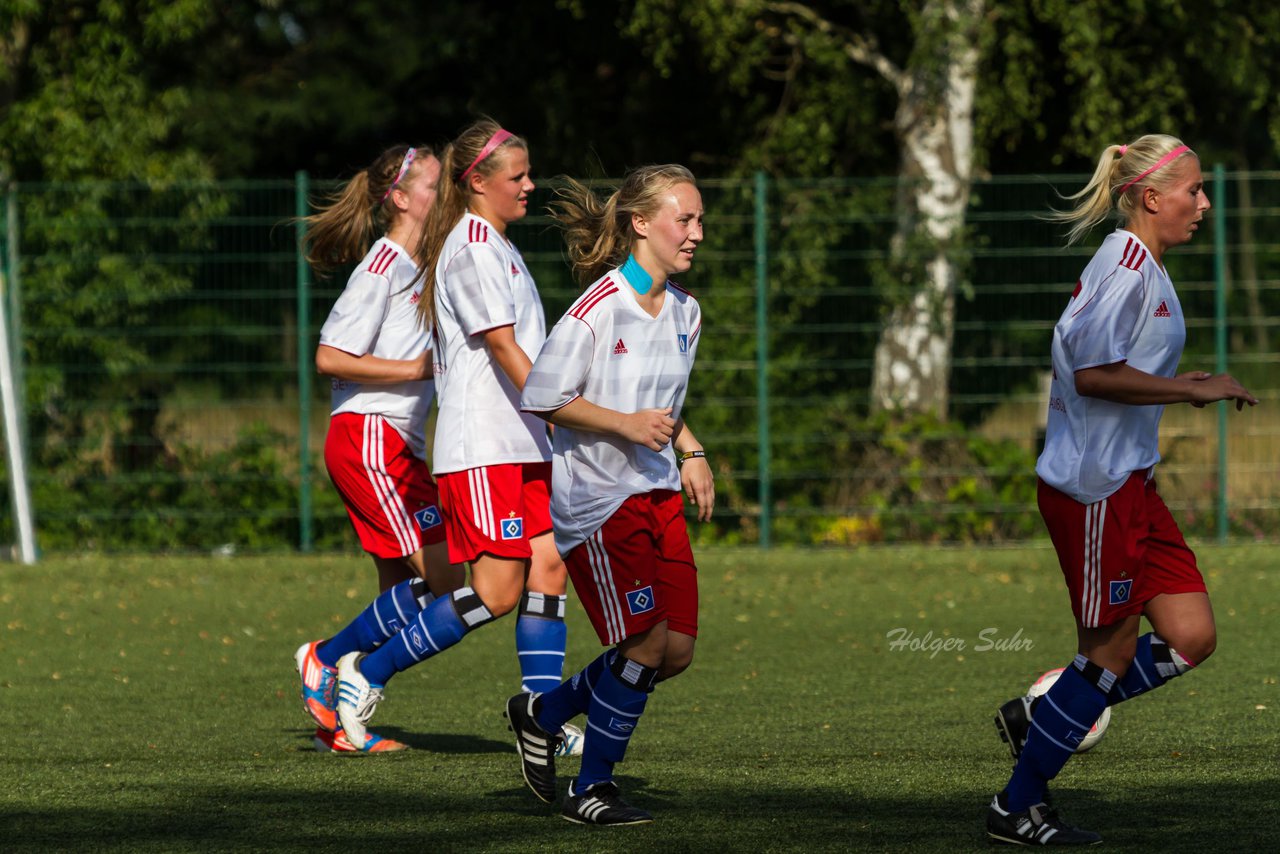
(149, 704)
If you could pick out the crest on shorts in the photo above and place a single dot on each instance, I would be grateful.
(640, 601)
(1120, 591)
(428, 517)
(513, 528)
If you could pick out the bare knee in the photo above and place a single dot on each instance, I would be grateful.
(501, 604)
(677, 656)
(673, 664)
(1198, 646)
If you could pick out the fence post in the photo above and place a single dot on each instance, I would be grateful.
(11, 397)
(15, 308)
(762, 358)
(1220, 332)
(305, 361)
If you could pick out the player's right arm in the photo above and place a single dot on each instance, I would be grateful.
(508, 354)
(371, 369)
(553, 391)
(649, 427)
(352, 329)
(1122, 383)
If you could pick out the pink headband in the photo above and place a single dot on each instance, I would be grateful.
(404, 170)
(494, 141)
(1160, 164)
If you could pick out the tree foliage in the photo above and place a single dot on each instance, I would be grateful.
(171, 93)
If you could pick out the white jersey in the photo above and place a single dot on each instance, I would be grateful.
(482, 283)
(1124, 309)
(377, 314)
(610, 351)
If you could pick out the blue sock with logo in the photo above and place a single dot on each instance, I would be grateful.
(1154, 664)
(379, 622)
(616, 705)
(572, 697)
(540, 640)
(1062, 719)
(438, 626)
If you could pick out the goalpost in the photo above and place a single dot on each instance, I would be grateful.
(23, 521)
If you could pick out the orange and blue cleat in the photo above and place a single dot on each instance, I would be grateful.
(337, 742)
(319, 687)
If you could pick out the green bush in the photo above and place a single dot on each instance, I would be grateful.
(241, 498)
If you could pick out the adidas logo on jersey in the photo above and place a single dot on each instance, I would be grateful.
(619, 348)
(1163, 310)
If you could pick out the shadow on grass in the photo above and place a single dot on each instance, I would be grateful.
(435, 742)
(393, 817)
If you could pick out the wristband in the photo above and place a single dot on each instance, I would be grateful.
(689, 455)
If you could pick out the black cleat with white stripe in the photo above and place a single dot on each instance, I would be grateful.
(1013, 723)
(601, 804)
(537, 747)
(1036, 825)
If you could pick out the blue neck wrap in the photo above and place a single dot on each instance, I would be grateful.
(636, 277)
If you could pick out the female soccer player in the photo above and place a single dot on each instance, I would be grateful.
(612, 378)
(491, 460)
(1115, 358)
(377, 352)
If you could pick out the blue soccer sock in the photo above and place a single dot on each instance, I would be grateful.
(1154, 664)
(540, 640)
(616, 705)
(1062, 718)
(378, 623)
(572, 697)
(438, 626)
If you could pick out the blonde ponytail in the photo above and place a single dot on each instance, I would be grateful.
(1121, 170)
(598, 235)
(344, 227)
(462, 156)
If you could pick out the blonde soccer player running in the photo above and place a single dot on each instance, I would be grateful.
(612, 378)
(1115, 355)
(377, 354)
(492, 462)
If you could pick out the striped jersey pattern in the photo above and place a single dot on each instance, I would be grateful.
(376, 314)
(607, 349)
(1123, 309)
(482, 284)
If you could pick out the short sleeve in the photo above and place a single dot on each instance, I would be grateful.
(480, 292)
(695, 337)
(1101, 331)
(559, 374)
(357, 316)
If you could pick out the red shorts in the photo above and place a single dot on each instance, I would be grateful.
(1119, 553)
(637, 569)
(389, 493)
(495, 509)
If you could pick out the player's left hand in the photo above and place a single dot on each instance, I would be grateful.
(699, 485)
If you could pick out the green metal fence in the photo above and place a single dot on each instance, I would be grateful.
(164, 337)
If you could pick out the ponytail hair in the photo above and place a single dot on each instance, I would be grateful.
(598, 233)
(461, 158)
(343, 228)
(1117, 180)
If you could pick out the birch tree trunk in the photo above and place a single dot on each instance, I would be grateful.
(934, 122)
